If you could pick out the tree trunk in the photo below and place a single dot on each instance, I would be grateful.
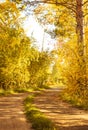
(79, 27)
(80, 35)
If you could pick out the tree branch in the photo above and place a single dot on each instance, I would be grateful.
(85, 3)
(65, 4)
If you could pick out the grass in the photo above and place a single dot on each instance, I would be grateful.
(40, 88)
(22, 90)
(75, 101)
(38, 119)
(14, 91)
(6, 92)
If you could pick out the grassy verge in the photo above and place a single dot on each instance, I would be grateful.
(75, 101)
(6, 92)
(13, 91)
(38, 119)
(22, 90)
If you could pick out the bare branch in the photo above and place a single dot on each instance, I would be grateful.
(68, 5)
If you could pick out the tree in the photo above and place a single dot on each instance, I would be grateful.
(75, 8)
(14, 48)
(39, 69)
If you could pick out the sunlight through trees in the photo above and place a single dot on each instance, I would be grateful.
(22, 65)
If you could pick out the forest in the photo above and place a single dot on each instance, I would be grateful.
(23, 66)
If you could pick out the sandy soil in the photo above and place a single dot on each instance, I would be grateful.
(11, 113)
(61, 113)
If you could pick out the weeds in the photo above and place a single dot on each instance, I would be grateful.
(38, 119)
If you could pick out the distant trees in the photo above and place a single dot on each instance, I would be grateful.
(39, 69)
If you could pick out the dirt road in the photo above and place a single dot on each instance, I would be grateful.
(11, 113)
(63, 114)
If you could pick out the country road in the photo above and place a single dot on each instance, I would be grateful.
(64, 115)
(12, 113)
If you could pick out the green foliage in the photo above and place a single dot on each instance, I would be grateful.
(39, 121)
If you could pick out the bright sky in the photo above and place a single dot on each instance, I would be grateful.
(2, 1)
(33, 28)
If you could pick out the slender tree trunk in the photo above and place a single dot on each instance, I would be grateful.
(79, 27)
(80, 36)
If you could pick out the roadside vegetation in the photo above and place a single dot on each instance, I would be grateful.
(36, 117)
(74, 70)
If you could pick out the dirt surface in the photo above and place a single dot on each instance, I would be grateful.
(61, 113)
(11, 113)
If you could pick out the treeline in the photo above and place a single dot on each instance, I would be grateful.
(21, 64)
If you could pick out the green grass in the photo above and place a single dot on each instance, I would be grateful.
(43, 87)
(6, 92)
(75, 101)
(22, 90)
(38, 119)
(14, 91)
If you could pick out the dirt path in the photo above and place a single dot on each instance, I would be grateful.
(64, 115)
(11, 113)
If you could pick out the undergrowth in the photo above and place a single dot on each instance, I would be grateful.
(22, 90)
(75, 100)
(14, 91)
(38, 119)
(6, 92)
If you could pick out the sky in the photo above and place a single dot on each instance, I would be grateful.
(2, 1)
(34, 29)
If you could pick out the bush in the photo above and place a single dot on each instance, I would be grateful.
(75, 72)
